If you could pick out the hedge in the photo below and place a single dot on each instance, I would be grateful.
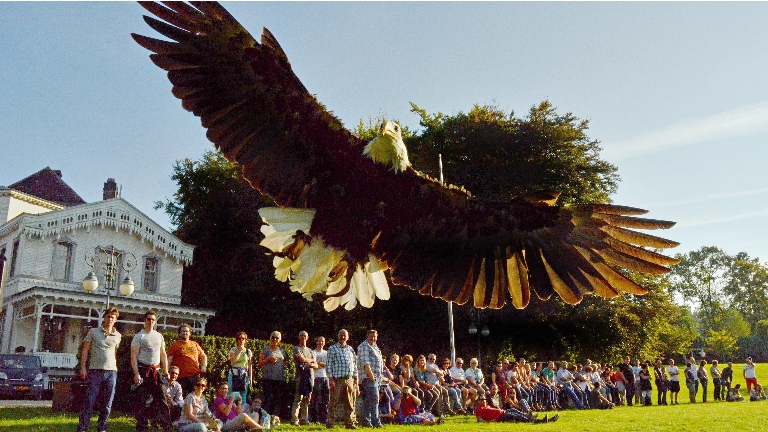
(215, 347)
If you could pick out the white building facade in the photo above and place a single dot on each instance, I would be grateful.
(43, 251)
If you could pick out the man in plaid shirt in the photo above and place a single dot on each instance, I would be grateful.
(370, 365)
(342, 378)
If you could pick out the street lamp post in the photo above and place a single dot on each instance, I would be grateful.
(110, 269)
(478, 318)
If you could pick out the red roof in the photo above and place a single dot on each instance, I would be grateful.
(48, 185)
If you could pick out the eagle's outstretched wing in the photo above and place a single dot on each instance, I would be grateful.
(435, 239)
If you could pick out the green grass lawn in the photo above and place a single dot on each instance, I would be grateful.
(720, 416)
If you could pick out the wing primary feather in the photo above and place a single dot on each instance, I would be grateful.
(640, 239)
(633, 222)
(517, 279)
(500, 281)
(172, 32)
(606, 209)
(561, 288)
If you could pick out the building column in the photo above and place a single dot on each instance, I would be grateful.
(38, 318)
(5, 339)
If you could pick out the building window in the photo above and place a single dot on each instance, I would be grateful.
(62, 260)
(13, 258)
(150, 274)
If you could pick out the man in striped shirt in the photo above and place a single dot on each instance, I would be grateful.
(342, 378)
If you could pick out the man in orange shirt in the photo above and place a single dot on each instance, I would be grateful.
(189, 357)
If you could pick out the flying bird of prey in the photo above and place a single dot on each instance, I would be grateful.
(350, 210)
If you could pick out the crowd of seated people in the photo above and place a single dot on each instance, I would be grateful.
(425, 389)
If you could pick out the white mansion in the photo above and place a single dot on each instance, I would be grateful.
(46, 233)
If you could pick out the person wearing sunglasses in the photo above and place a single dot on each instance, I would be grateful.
(240, 366)
(196, 416)
(272, 361)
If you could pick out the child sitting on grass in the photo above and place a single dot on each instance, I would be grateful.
(757, 393)
(734, 394)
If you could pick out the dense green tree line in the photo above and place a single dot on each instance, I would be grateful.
(729, 294)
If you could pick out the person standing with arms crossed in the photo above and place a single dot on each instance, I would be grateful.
(149, 362)
(342, 378)
(101, 343)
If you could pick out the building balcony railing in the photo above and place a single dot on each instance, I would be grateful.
(20, 284)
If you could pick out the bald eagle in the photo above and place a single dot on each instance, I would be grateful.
(352, 211)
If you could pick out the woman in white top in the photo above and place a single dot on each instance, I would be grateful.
(674, 381)
(196, 417)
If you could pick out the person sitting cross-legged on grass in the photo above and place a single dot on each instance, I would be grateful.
(485, 413)
(734, 394)
(596, 398)
(757, 393)
(231, 412)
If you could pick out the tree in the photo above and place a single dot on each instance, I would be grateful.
(701, 277)
(497, 155)
(722, 343)
(747, 288)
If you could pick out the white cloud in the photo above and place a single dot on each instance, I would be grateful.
(740, 216)
(711, 197)
(736, 122)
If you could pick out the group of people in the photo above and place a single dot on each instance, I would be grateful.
(169, 382)
(546, 387)
(344, 385)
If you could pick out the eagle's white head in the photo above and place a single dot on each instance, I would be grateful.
(388, 147)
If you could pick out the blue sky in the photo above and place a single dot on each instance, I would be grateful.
(675, 92)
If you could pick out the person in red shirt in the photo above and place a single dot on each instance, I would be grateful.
(408, 405)
(485, 413)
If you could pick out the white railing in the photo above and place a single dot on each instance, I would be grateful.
(57, 360)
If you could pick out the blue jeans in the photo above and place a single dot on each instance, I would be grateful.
(370, 390)
(576, 400)
(318, 405)
(101, 387)
(193, 427)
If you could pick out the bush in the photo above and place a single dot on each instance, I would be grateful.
(215, 347)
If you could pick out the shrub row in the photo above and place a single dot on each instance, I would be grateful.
(215, 347)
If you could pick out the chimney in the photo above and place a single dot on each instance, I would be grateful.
(110, 189)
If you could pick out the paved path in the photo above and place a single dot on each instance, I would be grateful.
(24, 403)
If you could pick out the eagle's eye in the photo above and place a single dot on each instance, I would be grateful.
(397, 128)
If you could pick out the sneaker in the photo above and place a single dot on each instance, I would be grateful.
(554, 418)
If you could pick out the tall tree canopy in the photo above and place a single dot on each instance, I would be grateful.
(497, 155)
